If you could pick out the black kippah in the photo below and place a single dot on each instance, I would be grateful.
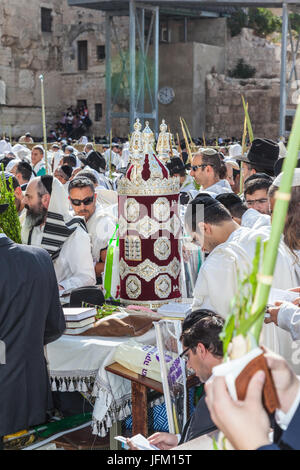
(205, 199)
(228, 199)
(47, 181)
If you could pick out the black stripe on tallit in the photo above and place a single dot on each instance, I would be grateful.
(54, 215)
(50, 241)
(55, 229)
(78, 221)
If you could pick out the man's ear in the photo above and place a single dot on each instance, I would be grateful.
(201, 350)
(46, 200)
(207, 228)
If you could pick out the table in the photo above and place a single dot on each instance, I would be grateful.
(139, 399)
(77, 363)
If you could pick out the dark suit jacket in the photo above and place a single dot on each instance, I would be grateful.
(30, 317)
(289, 439)
(200, 423)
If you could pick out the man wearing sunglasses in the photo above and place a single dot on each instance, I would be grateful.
(202, 350)
(100, 224)
(205, 169)
(49, 224)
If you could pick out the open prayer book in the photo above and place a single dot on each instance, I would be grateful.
(79, 320)
(281, 295)
(138, 441)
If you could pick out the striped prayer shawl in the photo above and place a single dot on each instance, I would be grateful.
(57, 231)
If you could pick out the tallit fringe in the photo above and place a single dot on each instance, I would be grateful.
(71, 384)
(113, 415)
(118, 411)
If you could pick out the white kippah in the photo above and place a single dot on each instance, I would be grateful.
(296, 179)
(209, 151)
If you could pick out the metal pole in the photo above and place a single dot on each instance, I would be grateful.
(142, 66)
(156, 67)
(185, 29)
(132, 113)
(44, 123)
(283, 96)
(108, 72)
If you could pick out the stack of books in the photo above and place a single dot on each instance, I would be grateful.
(174, 310)
(79, 320)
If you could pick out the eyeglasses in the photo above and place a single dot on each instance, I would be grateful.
(184, 355)
(195, 167)
(87, 201)
(252, 202)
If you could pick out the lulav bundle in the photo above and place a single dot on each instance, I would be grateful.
(9, 220)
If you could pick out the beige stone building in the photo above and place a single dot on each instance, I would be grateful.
(67, 45)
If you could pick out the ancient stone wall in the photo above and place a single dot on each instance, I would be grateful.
(224, 109)
(256, 51)
(27, 52)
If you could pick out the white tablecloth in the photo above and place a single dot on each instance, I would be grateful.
(77, 362)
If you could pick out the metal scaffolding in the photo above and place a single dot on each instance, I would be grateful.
(135, 73)
(141, 83)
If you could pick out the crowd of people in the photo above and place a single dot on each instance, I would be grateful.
(74, 123)
(67, 204)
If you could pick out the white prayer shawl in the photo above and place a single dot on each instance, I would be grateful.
(109, 154)
(66, 240)
(74, 266)
(56, 158)
(123, 159)
(102, 180)
(41, 165)
(21, 151)
(217, 281)
(220, 187)
(101, 228)
(5, 146)
(254, 219)
(188, 184)
(11, 164)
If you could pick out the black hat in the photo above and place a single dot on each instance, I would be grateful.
(96, 161)
(47, 181)
(67, 170)
(3, 208)
(175, 165)
(262, 154)
(279, 163)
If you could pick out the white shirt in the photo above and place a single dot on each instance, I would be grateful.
(283, 419)
(220, 270)
(74, 267)
(289, 319)
(217, 283)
